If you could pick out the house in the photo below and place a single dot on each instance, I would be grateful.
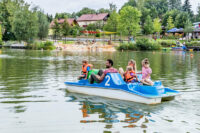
(196, 31)
(87, 19)
(71, 22)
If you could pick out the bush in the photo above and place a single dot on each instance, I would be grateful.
(127, 46)
(146, 44)
(166, 43)
(42, 45)
(193, 43)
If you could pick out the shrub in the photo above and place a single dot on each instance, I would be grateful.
(145, 44)
(166, 43)
(42, 45)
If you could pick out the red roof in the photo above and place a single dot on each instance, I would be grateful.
(92, 17)
(60, 21)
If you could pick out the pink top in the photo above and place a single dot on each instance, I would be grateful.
(146, 72)
(110, 70)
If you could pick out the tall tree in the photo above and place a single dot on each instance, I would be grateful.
(172, 13)
(175, 4)
(112, 22)
(198, 13)
(85, 10)
(56, 29)
(0, 35)
(43, 25)
(129, 21)
(170, 23)
(157, 26)
(25, 24)
(112, 7)
(148, 26)
(181, 19)
(65, 29)
(187, 7)
(188, 28)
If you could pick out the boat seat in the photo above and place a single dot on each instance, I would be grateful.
(113, 79)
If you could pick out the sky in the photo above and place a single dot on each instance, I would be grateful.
(58, 6)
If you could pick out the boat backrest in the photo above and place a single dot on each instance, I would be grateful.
(113, 79)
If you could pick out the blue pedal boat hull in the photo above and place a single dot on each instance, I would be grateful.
(114, 87)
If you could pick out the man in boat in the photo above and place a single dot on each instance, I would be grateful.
(101, 74)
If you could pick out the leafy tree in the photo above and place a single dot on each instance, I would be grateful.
(112, 22)
(181, 19)
(76, 30)
(187, 7)
(62, 15)
(50, 18)
(92, 27)
(85, 10)
(0, 35)
(112, 7)
(188, 27)
(25, 24)
(43, 25)
(145, 14)
(102, 10)
(148, 26)
(170, 23)
(157, 26)
(172, 13)
(56, 29)
(198, 13)
(132, 3)
(157, 7)
(65, 28)
(129, 21)
(175, 4)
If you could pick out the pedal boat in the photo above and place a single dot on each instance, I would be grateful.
(114, 87)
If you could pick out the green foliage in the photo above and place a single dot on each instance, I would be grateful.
(56, 29)
(157, 26)
(25, 24)
(148, 26)
(170, 24)
(193, 43)
(65, 28)
(48, 45)
(166, 43)
(146, 44)
(172, 13)
(175, 4)
(43, 25)
(76, 31)
(112, 22)
(181, 19)
(187, 8)
(85, 10)
(141, 44)
(62, 15)
(0, 35)
(129, 21)
(188, 26)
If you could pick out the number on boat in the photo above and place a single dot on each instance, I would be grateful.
(108, 80)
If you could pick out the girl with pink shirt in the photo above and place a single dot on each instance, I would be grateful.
(146, 73)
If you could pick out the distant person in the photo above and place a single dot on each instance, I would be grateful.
(131, 63)
(146, 73)
(85, 69)
(101, 74)
(130, 75)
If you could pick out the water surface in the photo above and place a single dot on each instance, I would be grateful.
(33, 97)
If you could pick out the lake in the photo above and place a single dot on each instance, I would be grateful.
(34, 99)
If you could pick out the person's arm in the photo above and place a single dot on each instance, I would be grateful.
(101, 78)
(86, 75)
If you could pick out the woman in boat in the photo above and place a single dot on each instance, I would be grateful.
(131, 63)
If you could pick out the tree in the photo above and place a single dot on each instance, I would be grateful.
(188, 28)
(0, 35)
(187, 7)
(129, 21)
(102, 10)
(170, 24)
(175, 4)
(91, 27)
(181, 19)
(172, 13)
(25, 24)
(198, 14)
(65, 29)
(56, 29)
(132, 3)
(62, 15)
(112, 22)
(85, 10)
(112, 7)
(157, 26)
(148, 26)
(43, 25)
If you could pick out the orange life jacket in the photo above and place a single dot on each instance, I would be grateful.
(84, 68)
(129, 77)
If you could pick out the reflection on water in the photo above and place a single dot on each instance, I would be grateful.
(33, 96)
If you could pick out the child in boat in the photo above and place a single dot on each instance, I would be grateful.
(130, 75)
(85, 69)
(146, 73)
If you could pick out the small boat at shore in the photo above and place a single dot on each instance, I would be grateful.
(114, 87)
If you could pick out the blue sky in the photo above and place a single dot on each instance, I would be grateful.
(53, 6)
